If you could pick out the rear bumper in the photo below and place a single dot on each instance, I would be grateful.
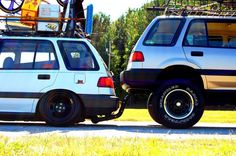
(139, 78)
(99, 104)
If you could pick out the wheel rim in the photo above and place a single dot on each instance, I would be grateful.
(60, 106)
(11, 5)
(179, 104)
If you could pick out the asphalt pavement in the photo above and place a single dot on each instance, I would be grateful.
(119, 129)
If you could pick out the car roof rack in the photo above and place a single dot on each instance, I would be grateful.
(14, 27)
(71, 23)
(197, 8)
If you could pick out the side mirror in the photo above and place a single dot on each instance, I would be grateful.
(89, 20)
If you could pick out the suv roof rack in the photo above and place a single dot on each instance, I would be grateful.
(197, 7)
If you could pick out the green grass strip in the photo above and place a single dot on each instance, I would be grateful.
(208, 116)
(95, 146)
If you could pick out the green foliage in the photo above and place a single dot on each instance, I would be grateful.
(101, 34)
(123, 33)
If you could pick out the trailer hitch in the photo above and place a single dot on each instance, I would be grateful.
(113, 116)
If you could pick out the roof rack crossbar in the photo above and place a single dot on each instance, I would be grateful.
(14, 27)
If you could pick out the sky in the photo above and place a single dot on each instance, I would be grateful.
(114, 8)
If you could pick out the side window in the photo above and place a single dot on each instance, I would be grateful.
(196, 35)
(45, 56)
(77, 56)
(219, 34)
(27, 54)
(163, 32)
(17, 54)
(222, 34)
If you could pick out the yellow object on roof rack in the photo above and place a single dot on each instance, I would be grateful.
(29, 10)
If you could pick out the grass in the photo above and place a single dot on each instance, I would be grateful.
(208, 116)
(57, 145)
(95, 146)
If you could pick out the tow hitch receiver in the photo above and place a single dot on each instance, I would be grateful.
(117, 114)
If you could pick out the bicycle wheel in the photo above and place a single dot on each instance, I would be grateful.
(11, 6)
(61, 2)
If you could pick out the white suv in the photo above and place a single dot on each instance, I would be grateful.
(185, 63)
(60, 80)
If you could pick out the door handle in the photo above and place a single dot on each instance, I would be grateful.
(44, 77)
(197, 53)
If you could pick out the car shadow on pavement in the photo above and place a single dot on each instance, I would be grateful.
(113, 128)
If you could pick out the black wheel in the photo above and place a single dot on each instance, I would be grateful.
(60, 108)
(177, 104)
(11, 6)
(150, 109)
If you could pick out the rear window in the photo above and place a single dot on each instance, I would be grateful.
(164, 32)
(77, 56)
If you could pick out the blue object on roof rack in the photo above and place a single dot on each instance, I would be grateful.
(89, 20)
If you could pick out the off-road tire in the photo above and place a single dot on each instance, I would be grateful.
(177, 103)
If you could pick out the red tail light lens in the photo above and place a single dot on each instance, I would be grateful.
(137, 56)
(106, 82)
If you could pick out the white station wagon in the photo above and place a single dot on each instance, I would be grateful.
(59, 80)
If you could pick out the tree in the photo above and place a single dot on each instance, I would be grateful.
(100, 37)
(123, 33)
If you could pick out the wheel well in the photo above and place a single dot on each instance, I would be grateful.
(59, 90)
(178, 71)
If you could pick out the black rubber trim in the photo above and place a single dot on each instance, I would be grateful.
(20, 95)
(197, 53)
(218, 72)
(139, 78)
(16, 116)
(99, 104)
(44, 77)
(146, 78)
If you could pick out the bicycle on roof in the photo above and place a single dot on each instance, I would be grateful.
(40, 18)
(11, 6)
(14, 6)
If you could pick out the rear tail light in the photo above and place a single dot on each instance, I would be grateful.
(137, 56)
(106, 82)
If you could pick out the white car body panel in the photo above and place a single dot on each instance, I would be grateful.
(26, 81)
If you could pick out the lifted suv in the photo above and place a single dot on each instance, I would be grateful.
(59, 80)
(185, 63)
